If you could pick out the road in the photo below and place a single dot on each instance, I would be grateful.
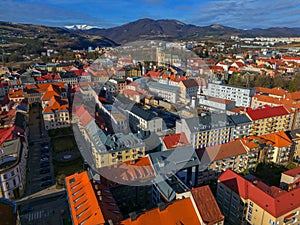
(37, 135)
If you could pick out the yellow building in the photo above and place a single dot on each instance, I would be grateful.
(251, 201)
(266, 119)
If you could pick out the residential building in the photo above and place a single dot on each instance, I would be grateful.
(251, 201)
(294, 136)
(188, 89)
(172, 141)
(179, 211)
(242, 125)
(206, 130)
(241, 96)
(13, 168)
(215, 104)
(183, 162)
(272, 148)
(34, 92)
(207, 206)
(55, 109)
(83, 204)
(144, 121)
(266, 119)
(165, 91)
(101, 149)
(16, 95)
(215, 160)
(198, 207)
(290, 179)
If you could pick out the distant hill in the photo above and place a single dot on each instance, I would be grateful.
(144, 29)
(16, 36)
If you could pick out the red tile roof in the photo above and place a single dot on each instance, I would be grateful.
(293, 172)
(83, 115)
(266, 112)
(275, 202)
(6, 134)
(178, 212)
(207, 205)
(82, 200)
(175, 140)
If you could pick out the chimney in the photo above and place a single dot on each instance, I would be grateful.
(133, 216)
(162, 206)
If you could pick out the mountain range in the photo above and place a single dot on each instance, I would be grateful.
(144, 29)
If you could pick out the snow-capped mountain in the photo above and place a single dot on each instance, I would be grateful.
(80, 27)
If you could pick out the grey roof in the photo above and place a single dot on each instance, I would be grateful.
(140, 112)
(10, 147)
(208, 122)
(294, 134)
(240, 119)
(170, 161)
(163, 87)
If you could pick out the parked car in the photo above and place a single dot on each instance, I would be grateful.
(44, 165)
(46, 178)
(44, 170)
(44, 160)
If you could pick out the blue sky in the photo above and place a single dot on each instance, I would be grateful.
(243, 14)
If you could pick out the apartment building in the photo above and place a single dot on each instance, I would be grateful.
(241, 96)
(242, 125)
(215, 104)
(55, 109)
(294, 136)
(144, 121)
(290, 179)
(34, 92)
(250, 201)
(206, 130)
(86, 201)
(267, 119)
(165, 91)
(13, 155)
(102, 149)
(188, 89)
(271, 148)
(215, 160)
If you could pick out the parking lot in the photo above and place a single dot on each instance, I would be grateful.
(39, 165)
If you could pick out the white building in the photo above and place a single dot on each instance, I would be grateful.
(12, 168)
(242, 96)
(167, 92)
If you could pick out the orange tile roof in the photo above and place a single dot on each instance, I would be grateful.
(272, 91)
(175, 140)
(131, 171)
(82, 200)
(223, 151)
(15, 93)
(274, 201)
(178, 212)
(57, 104)
(207, 205)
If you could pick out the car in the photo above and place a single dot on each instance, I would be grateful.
(44, 170)
(46, 184)
(44, 155)
(46, 178)
(44, 160)
(44, 164)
